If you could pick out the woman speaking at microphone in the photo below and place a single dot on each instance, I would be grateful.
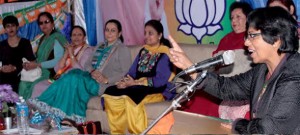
(273, 85)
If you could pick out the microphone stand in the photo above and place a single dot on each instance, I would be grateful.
(175, 102)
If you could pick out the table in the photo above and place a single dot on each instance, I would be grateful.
(65, 130)
(191, 123)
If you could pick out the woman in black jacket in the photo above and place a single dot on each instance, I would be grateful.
(273, 86)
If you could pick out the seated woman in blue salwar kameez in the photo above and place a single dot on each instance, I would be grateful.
(146, 81)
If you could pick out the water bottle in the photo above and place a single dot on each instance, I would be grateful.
(22, 119)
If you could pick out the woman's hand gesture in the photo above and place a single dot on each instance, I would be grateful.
(30, 65)
(126, 82)
(178, 57)
(99, 77)
(70, 49)
(8, 68)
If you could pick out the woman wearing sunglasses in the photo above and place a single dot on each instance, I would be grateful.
(50, 51)
(76, 56)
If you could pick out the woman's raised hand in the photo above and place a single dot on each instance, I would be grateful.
(178, 57)
(70, 49)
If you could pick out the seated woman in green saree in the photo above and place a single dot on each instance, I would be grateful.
(76, 56)
(50, 51)
(67, 97)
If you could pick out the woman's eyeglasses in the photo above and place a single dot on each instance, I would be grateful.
(44, 22)
(251, 36)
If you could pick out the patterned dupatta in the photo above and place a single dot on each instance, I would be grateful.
(148, 60)
(77, 53)
(103, 54)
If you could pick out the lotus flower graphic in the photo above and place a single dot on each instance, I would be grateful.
(200, 17)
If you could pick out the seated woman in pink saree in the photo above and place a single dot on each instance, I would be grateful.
(75, 57)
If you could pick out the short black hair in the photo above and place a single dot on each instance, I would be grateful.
(244, 6)
(275, 23)
(10, 20)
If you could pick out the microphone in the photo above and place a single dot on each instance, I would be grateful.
(226, 58)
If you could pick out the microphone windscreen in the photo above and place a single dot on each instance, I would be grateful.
(228, 57)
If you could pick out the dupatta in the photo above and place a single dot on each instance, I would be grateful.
(45, 47)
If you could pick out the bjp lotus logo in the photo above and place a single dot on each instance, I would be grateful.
(200, 17)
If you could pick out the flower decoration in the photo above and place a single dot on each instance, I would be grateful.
(7, 95)
(200, 17)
